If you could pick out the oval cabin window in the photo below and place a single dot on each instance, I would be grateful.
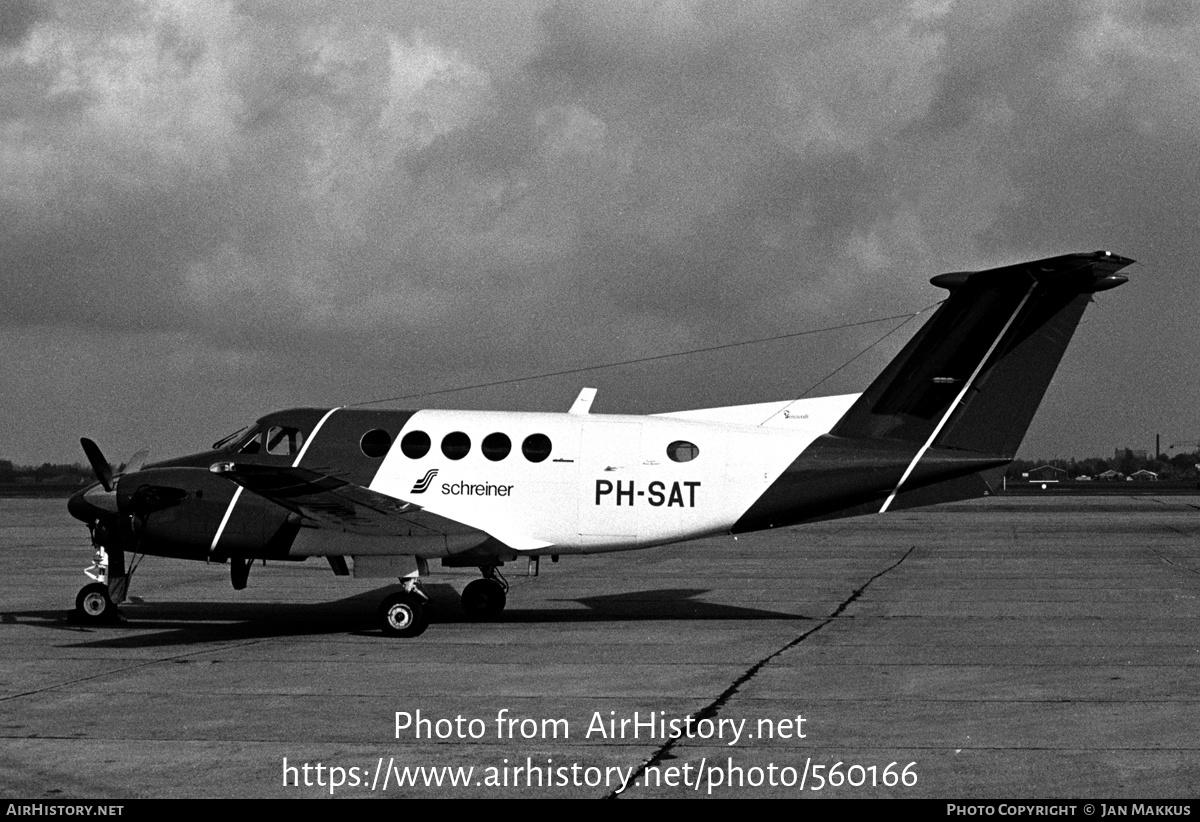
(376, 443)
(536, 447)
(415, 444)
(496, 446)
(456, 445)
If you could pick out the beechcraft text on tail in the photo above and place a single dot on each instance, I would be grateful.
(387, 493)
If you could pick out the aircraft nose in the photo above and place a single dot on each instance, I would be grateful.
(92, 503)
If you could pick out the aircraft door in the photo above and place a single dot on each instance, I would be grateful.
(609, 467)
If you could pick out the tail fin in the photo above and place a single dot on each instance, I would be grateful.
(974, 375)
(952, 408)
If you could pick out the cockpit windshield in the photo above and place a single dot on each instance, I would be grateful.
(236, 436)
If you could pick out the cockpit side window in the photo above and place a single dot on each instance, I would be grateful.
(284, 441)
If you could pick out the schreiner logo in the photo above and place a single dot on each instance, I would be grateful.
(422, 485)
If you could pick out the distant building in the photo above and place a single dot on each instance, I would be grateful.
(1143, 475)
(1131, 453)
(1046, 473)
(1110, 474)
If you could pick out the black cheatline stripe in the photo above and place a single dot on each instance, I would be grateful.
(710, 711)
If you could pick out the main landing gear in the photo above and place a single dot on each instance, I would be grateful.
(403, 614)
(485, 598)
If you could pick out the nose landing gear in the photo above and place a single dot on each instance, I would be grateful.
(97, 601)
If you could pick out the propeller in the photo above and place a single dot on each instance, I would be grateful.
(92, 503)
(100, 466)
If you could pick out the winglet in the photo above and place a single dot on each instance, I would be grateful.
(583, 403)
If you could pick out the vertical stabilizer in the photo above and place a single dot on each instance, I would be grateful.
(973, 376)
(951, 409)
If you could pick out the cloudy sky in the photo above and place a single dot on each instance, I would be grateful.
(211, 210)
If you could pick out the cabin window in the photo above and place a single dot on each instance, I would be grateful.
(536, 447)
(284, 441)
(496, 446)
(415, 444)
(682, 451)
(455, 445)
(376, 443)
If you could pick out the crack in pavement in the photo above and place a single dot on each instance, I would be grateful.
(1171, 562)
(126, 669)
(711, 710)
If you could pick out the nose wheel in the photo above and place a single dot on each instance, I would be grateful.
(94, 605)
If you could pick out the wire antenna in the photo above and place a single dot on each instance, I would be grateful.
(707, 349)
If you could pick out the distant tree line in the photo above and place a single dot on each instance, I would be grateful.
(48, 473)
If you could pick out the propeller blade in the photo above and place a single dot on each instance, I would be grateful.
(136, 462)
(100, 466)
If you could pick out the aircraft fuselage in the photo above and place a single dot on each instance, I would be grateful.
(539, 483)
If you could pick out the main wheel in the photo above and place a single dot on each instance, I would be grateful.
(94, 605)
(403, 614)
(484, 598)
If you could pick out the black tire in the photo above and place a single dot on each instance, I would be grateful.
(94, 605)
(403, 615)
(484, 599)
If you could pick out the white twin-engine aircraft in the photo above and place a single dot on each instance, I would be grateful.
(392, 490)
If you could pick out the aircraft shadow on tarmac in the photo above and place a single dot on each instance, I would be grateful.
(175, 622)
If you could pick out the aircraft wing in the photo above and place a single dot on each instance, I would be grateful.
(336, 503)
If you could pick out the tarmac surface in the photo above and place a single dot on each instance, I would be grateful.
(1006, 648)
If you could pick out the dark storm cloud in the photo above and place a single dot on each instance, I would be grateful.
(277, 203)
(17, 17)
(691, 205)
(647, 114)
